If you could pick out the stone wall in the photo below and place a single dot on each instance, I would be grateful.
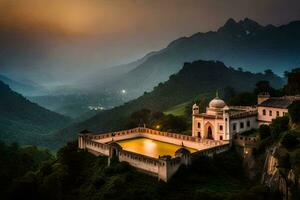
(163, 167)
(173, 138)
(210, 152)
(139, 161)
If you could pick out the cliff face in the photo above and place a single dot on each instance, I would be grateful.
(285, 183)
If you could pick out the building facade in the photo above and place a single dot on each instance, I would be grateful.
(222, 122)
(271, 107)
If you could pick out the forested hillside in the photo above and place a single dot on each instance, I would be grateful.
(193, 79)
(23, 121)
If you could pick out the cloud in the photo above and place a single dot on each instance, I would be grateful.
(70, 37)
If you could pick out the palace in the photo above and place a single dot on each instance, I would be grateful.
(160, 154)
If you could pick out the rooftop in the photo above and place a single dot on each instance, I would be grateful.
(279, 102)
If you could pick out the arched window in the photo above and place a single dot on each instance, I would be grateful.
(199, 125)
(234, 126)
(199, 134)
(264, 112)
(221, 128)
(248, 123)
(241, 125)
(209, 133)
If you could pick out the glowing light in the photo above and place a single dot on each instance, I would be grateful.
(123, 91)
(149, 145)
(157, 126)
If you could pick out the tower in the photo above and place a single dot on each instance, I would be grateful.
(195, 112)
(262, 97)
(195, 109)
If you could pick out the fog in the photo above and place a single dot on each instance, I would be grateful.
(57, 42)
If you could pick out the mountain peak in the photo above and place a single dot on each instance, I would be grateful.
(243, 27)
(231, 26)
(230, 22)
(250, 25)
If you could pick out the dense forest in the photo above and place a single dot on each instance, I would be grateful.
(79, 175)
(23, 121)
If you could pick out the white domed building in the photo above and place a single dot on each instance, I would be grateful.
(221, 122)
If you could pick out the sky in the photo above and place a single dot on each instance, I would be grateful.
(62, 40)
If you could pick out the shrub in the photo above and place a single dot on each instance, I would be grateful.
(289, 140)
(264, 131)
(294, 111)
(279, 125)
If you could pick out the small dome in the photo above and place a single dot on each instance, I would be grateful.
(115, 145)
(182, 150)
(217, 103)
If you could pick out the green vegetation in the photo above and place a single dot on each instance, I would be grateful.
(25, 122)
(178, 110)
(250, 98)
(287, 139)
(158, 121)
(293, 86)
(264, 131)
(196, 78)
(290, 139)
(16, 162)
(79, 175)
(294, 111)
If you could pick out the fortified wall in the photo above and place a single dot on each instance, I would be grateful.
(163, 167)
(245, 144)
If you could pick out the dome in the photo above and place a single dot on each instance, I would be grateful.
(115, 145)
(182, 150)
(217, 103)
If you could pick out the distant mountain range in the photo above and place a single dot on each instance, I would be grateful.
(25, 88)
(193, 79)
(244, 44)
(25, 122)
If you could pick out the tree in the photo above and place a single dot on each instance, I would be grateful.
(243, 99)
(173, 123)
(279, 125)
(263, 86)
(264, 131)
(293, 86)
(229, 92)
(269, 72)
(294, 111)
(289, 140)
(139, 118)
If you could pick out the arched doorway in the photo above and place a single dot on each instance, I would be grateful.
(114, 152)
(209, 133)
(199, 134)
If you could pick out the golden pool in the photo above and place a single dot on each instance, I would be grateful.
(150, 147)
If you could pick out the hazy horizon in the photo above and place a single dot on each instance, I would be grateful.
(55, 42)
